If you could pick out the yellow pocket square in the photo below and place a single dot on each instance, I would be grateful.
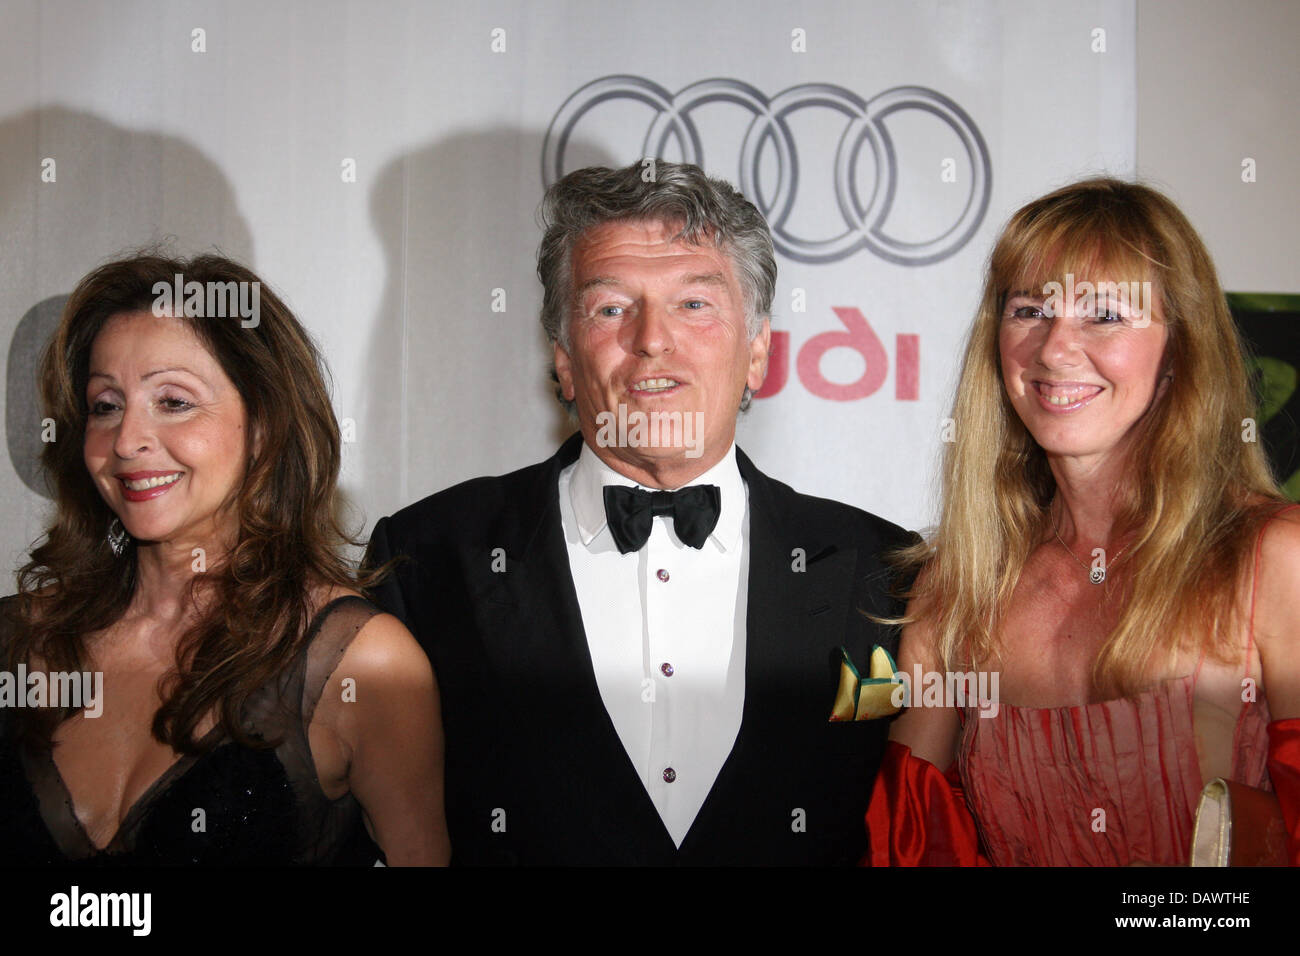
(866, 698)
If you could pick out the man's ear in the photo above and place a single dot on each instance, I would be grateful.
(564, 372)
(760, 350)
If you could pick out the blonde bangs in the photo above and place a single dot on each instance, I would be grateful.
(1072, 244)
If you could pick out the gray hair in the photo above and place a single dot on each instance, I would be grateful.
(707, 211)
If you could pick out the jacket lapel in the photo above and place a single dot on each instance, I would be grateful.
(789, 612)
(532, 610)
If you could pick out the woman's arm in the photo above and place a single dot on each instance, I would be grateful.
(918, 814)
(930, 732)
(390, 733)
(1275, 612)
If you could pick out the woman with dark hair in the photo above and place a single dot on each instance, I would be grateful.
(242, 703)
(1111, 543)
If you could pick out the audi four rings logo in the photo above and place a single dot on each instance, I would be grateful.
(864, 221)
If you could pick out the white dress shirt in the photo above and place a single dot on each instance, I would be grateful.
(666, 629)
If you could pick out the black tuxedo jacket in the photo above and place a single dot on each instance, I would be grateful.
(535, 770)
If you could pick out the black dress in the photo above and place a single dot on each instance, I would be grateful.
(230, 805)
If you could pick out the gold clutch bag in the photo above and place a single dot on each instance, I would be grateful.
(1238, 825)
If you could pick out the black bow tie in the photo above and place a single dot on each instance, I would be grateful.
(631, 511)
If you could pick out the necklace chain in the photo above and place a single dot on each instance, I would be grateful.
(1096, 575)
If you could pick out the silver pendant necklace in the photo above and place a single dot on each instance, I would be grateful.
(1097, 574)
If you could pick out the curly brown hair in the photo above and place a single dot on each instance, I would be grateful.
(256, 599)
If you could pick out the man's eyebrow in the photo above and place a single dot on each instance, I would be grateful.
(596, 282)
(705, 278)
(694, 278)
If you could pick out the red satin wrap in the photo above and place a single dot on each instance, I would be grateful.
(918, 816)
(1284, 773)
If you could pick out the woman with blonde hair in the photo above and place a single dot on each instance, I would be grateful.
(1113, 546)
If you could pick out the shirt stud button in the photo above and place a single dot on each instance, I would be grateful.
(662, 574)
(670, 775)
(666, 669)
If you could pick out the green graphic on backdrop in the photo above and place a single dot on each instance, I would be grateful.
(1277, 383)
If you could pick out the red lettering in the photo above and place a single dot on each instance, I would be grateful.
(907, 367)
(858, 335)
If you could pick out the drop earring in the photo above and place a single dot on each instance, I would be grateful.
(118, 538)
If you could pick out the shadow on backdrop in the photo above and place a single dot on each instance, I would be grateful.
(446, 397)
(76, 191)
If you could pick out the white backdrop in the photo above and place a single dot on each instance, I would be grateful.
(444, 110)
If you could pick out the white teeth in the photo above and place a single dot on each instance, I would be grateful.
(1054, 395)
(144, 484)
(652, 384)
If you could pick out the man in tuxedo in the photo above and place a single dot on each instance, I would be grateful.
(638, 641)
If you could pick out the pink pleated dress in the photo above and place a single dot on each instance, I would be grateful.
(1103, 784)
